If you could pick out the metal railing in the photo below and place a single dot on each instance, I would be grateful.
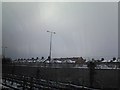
(29, 83)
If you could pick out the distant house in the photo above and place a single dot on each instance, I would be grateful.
(76, 60)
(80, 60)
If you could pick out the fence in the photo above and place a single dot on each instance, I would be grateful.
(29, 83)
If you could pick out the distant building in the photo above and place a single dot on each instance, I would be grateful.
(77, 60)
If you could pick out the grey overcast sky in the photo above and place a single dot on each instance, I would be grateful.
(82, 29)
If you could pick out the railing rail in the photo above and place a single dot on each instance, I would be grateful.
(31, 83)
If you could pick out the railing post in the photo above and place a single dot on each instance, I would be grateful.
(23, 82)
(91, 66)
(5, 81)
(12, 79)
(37, 73)
(31, 83)
(119, 76)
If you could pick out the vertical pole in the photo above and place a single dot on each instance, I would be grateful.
(91, 66)
(31, 83)
(119, 44)
(50, 53)
(50, 45)
(3, 53)
(23, 83)
(118, 75)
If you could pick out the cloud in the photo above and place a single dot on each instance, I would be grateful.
(82, 29)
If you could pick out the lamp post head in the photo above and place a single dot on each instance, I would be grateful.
(52, 32)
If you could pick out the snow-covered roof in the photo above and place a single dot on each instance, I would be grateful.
(58, 61)
(106, 60)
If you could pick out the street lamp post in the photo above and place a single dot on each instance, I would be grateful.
(51, 33)
(4, 51)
